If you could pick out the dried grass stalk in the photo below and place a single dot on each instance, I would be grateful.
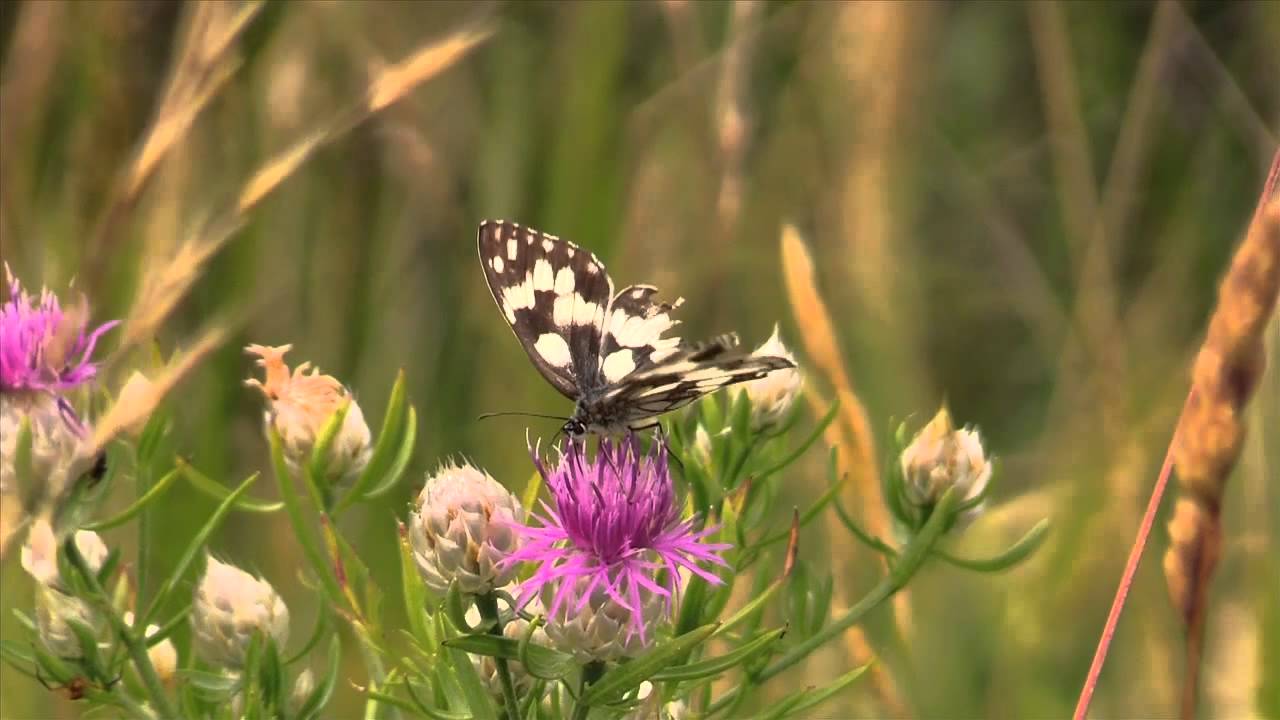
(1211, 431)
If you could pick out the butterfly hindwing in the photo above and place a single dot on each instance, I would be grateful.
(672, 385)
(555, 297)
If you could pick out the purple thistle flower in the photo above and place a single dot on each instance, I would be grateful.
(41, 347)
(614, 525)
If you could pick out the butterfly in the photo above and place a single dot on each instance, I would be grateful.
(607, 352)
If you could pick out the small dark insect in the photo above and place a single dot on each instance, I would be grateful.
(607, 352)
(99, 469)
(77, 688)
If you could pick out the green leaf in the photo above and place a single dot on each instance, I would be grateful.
(293, 508)
(193, 548)
(90, 658)
(618, 680)
(717, 665)
(385, 450)
(402, 458)
(29, 486)
(540, 662)
(128, 513)
(477, 697)
(1015, 554)
(796, 703)
(318, 466)
(215, 490)
(216, 685)
(149, 439)
(414, 592)
(529, 498)
(456, 604)
(319, 698)
(271, 674)
(804, 446)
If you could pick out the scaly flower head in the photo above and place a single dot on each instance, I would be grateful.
(773, 395)
(462, 527)
(230, 606)
(614, 523)
(941, 456)
(42, 347)
(301, 405)
(39, 556)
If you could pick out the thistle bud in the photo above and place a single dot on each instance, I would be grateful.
(55, 436)
(40, 553)
(230, 606)
(773, 395)
(55, 613)
(461, 529)
(942, 457)
(301, 405)
(600, 628)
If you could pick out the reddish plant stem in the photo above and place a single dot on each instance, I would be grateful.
(1126, 580)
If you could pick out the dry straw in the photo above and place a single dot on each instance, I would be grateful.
(1211, 431)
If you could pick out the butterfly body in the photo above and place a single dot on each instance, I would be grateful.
(607, 352)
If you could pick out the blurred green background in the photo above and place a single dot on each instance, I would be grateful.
(1020, 209)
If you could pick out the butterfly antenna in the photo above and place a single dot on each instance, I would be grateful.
(485, 416)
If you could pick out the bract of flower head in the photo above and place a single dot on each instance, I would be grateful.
(599, 626)
(940, 457)
(43, 348)
(55, 437)
(462, 526)
(39, 554)
(773, 395)
(230, 606)
(303, 686)
(55, 613)
(613, 524)
(301, 404)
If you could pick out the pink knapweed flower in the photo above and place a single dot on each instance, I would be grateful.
(613, 526)
(42, 347)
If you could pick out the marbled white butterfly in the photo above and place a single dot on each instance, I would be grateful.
(605, 352)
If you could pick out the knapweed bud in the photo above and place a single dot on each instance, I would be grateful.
(55, 613)
(773, 395)
(942, 457)
(600, 628)
(54, 439)
(461, 528)
(163, 656)
(137, 391)
(301, 405)
(230, 606)
(40, 553)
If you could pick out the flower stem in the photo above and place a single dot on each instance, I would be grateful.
(137, 650)
(487, 604)
(591, 672)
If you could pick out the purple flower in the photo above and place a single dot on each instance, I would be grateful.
(41, 347)
(614, 526)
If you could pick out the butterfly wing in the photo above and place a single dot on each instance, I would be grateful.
(672, 384)
(554, 295)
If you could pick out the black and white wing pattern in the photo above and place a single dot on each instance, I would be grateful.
(609, 353)
(555, 297)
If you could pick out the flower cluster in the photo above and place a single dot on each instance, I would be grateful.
(610, 549)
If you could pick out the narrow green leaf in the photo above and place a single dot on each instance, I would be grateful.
(402, 458)
(794, 704)
(414, 592)
(29, 486)
(541, 662)
(804, 446)
(193, 549)
(473, 689)
(621, 678)
(128, 513)
(456, 604)
(318, 465)
(215, 490)
(385, 450)
(1015, 554)
(293, 508)
(529, 498)
(210, 682)
(717, 665)
(319, 698)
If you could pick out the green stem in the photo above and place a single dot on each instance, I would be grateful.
(909, 561)
(137, 650)
(487, 604)
(591, 672)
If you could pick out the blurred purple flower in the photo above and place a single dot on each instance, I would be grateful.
(614, 525)
(43, 348)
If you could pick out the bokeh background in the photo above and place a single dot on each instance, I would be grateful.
(1019, 209)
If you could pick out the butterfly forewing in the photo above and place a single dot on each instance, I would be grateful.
(555, 297)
